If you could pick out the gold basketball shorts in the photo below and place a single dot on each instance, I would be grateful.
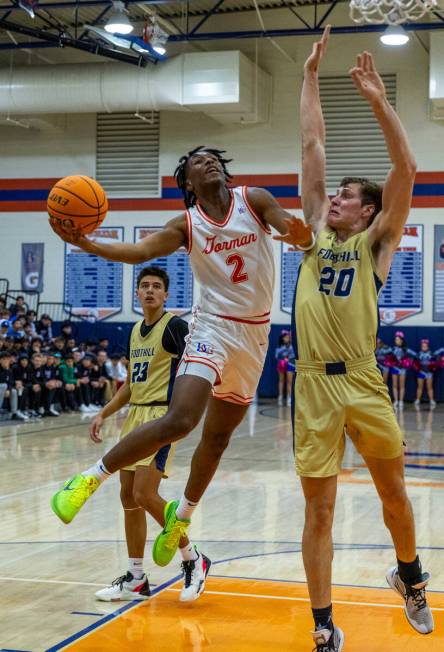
(138, 415)
(338, 399)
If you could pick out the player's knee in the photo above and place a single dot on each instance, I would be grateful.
(216, 445)
(180, 424)
(141, 498)
(319, 514)
(395, 500)
(127, 499)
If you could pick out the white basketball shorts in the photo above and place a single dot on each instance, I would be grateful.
(230, 354)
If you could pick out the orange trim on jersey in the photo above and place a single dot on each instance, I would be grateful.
(226, 218)
(230, 398)
(239, 396)
(256, 217)
(190, 231)
(244, 321)
(205, 361)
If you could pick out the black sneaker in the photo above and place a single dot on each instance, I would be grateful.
(327, 640)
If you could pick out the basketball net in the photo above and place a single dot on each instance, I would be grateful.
(391, 12)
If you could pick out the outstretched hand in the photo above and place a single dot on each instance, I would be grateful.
(67, 233)
(319, 49)
(367, 79)
(298, 233)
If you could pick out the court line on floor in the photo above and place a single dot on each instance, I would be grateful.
(30, 490)
(115, 614)
(338, 546)
(39, 581)
(354, 603)
(334, 584)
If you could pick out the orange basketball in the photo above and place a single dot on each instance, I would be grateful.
(79, 202)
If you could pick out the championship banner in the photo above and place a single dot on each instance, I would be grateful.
(178, 268)
(94, 285)
(438, 274)
(290, 261)
(32, 266)
(402, 295)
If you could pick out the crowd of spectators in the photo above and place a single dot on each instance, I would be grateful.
(43, 374)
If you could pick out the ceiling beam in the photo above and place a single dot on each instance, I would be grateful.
(276, 33)
(62, 41)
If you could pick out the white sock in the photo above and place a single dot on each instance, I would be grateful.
(189, 552)
(99, 471)
(185, 508)
(135, 567)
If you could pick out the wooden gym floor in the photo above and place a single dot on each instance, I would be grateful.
(249, 524)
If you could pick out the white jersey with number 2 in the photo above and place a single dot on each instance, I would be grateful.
(233, 261)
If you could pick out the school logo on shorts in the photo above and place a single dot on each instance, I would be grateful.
(203, 347)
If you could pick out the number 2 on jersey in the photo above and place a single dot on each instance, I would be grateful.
(140, 372)
(238, 276)
(342, 281)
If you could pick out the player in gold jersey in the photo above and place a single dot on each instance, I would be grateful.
(155, 347)
(339, 389)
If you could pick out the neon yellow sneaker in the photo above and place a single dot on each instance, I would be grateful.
(68, 501)
(167, 542)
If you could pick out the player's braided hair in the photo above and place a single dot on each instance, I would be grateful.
(180, 172)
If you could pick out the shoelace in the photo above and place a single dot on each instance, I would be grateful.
(175, 535)
(322, 648)
(120, 580)
(78, 493)
(417, 595)
(188, 568)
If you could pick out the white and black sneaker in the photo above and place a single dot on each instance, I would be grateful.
(327, 640)
(194, 576)
(416, 608)
(125, 588)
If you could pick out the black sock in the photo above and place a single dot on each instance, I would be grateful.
(323, 618)
(411, 572)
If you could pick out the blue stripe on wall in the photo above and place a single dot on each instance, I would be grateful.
(24, 195)
(277, 191)
(428, 189)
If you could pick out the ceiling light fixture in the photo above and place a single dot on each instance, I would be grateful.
(118, 21)
(395, 35)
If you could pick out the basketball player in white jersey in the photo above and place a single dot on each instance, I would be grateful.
(227, 234)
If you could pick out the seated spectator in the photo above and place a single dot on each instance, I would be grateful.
(66, 330)
(59, 345)
(53, 384)
(70, 345)
(100, 380)
(84, 390)
(23, 380)
(104, 344)
(31, 318)
(44, 328)
(69, 380)
(37, 386)
(117, 371)
(19, 303)
(16, 329)
(4, 327)
(8, 391)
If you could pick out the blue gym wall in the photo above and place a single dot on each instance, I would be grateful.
(118, 333)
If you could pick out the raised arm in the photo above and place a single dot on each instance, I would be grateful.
(293, 230)
(315, 202)
(387, 228)
(166, 241)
